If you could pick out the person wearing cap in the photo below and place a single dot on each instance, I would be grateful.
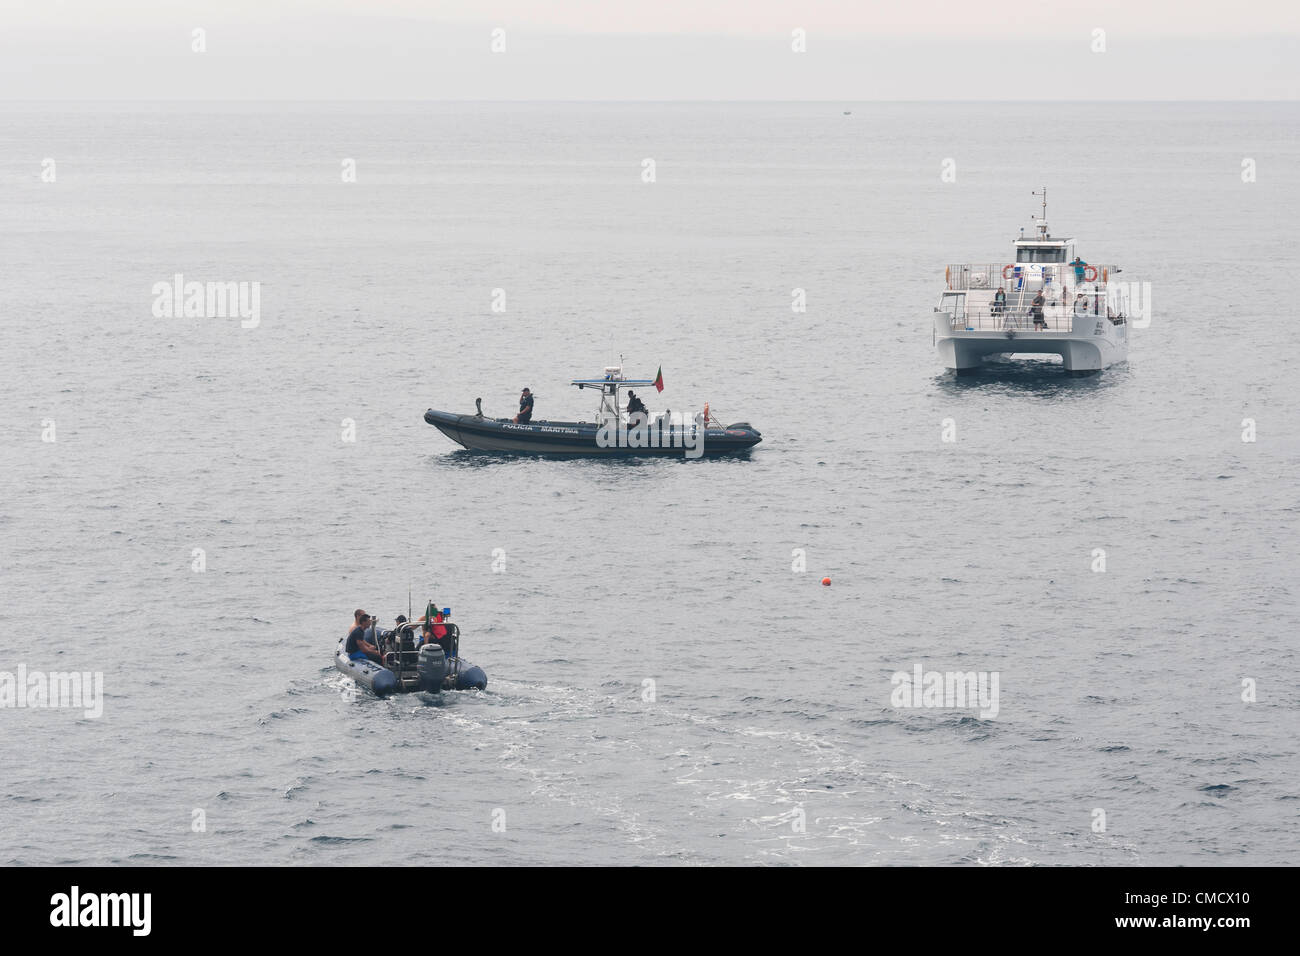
(357, 647)
(525, 408)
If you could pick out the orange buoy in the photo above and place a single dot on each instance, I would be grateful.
(826, 582)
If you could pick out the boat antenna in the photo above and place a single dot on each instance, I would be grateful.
(1042, 223)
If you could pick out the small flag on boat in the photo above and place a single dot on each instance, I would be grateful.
(659, 379)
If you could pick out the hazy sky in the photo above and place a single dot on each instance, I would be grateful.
(649, 49)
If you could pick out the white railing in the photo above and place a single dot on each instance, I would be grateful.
(965, 275)
(1056, 319)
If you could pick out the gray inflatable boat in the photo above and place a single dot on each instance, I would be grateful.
(409, 667)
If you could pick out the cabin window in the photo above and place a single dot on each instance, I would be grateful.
(1040, 255)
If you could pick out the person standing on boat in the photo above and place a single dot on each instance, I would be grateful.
(634, 406)
(1079, 266)
(999, 301)
(357, 647)
(1036, 310)
(525, 408)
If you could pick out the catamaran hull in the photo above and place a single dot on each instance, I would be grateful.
(1097, 346)
(580, 438)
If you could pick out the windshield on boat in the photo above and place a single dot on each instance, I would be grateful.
(1039, 254)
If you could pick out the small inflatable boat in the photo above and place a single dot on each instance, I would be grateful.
(409, 667)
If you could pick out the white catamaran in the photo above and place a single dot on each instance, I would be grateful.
(1047, 301)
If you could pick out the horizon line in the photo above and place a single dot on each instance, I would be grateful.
(180, 100)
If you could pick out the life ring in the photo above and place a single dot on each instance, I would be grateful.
(1089, 278)
(1007, 270)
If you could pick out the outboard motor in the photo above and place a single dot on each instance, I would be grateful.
(432, 668)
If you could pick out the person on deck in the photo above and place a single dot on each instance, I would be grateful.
(357, 647)
(999, 301)
(634, 406)
(1079, 266)
(436, 632)
(525, 408)
(1036, 310)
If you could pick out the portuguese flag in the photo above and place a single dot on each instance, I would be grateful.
(659, 379)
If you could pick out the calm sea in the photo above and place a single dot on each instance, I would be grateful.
(666, 684)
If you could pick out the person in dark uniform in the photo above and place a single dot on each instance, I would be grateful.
(525, 408)
(634, 405)
(357, 647)
(1036, 310)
